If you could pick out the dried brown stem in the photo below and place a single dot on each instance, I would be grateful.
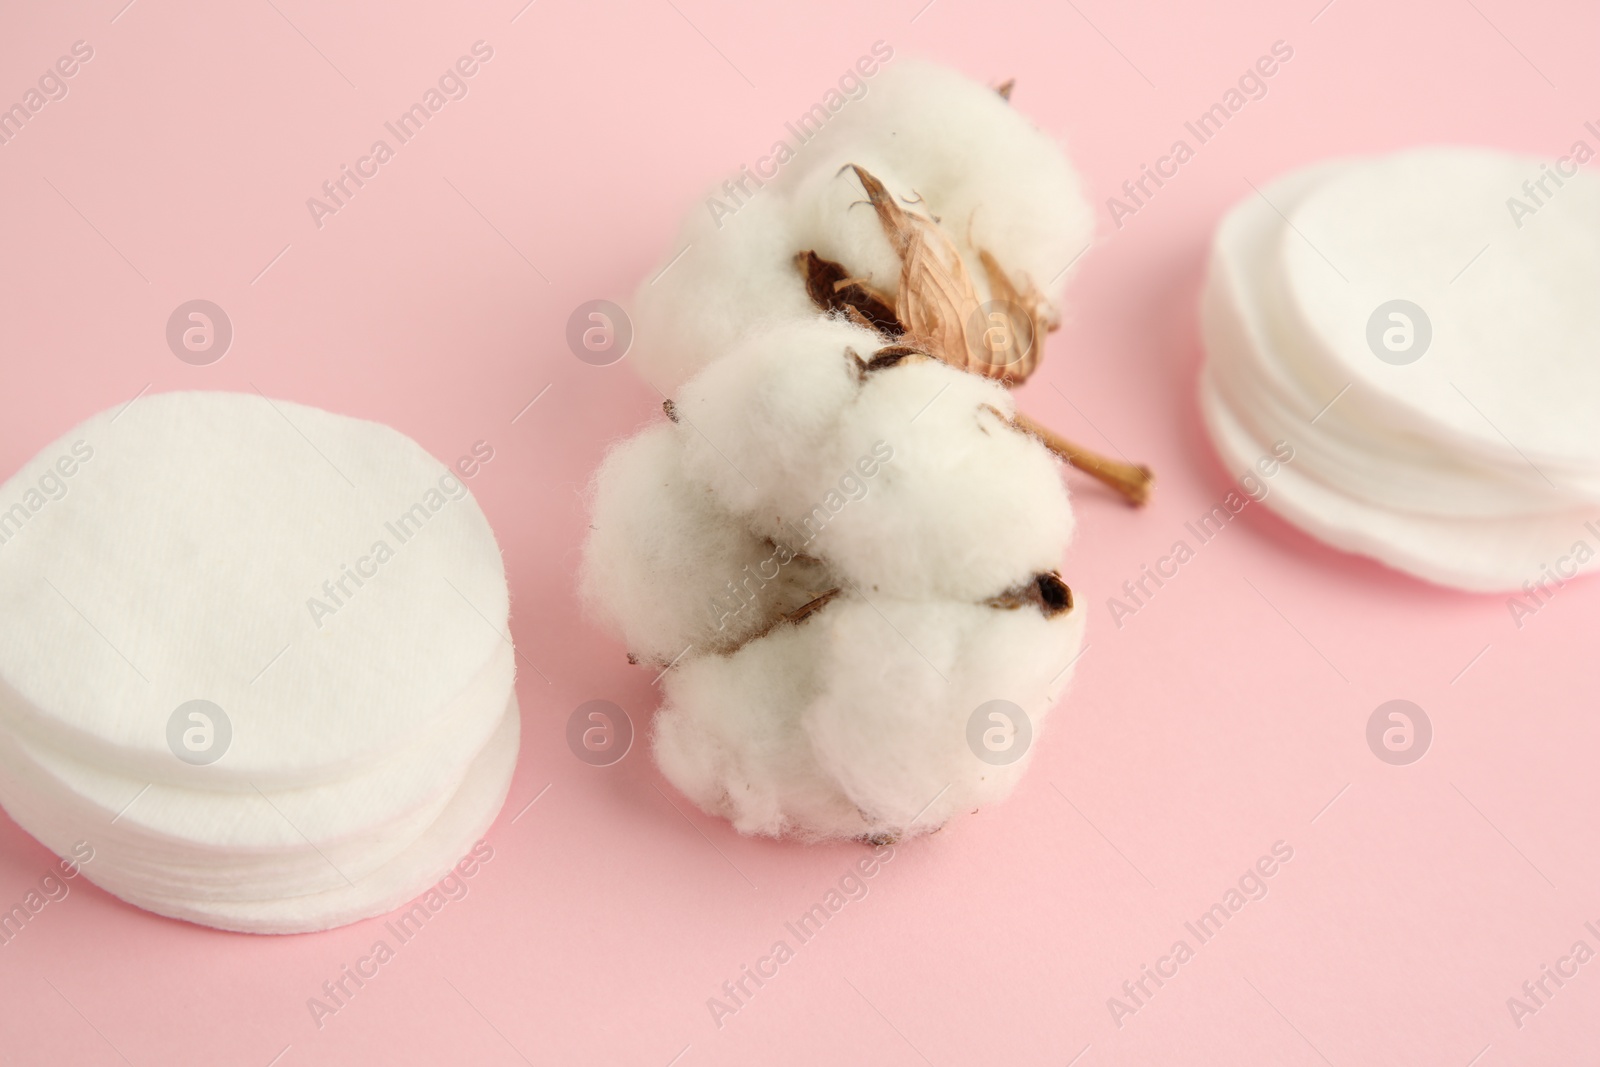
(1133, 482)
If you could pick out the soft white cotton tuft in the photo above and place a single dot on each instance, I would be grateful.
(941, 142)
(854, 722)
(970, 159)
(722, 277)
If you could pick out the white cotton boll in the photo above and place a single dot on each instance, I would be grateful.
(903, 680)
(993, 179)
(731, 737)
(668, 568)
(759, 419)
(961, 505)
(833, 218)
(946, 145)
(854, 722)
(907, 478)
(658, 547)
(912, 531)
(733, 273)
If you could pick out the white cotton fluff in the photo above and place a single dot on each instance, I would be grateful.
(945, 145)
(1476, 465)
(953, 149)
(853, 724)
(791, 473)
(663, 547)
(773, 427)
(722, 277)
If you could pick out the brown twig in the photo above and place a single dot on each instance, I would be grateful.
(1133, 482)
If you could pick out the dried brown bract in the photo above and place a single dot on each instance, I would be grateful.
(937, 312)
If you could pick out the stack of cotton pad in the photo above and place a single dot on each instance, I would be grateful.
(256, 655)
(1423, 330)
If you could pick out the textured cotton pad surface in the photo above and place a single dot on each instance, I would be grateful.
(463, 820)
(213, 873)
(161, 819)
(1263, 363)
(1385, 464)
(204, 548)
(1482, 555)
(1514, 359)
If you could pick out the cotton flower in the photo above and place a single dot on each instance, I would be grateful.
(842, 540)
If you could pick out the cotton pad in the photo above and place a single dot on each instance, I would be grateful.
(463, 819)
(1514, 360)
(296, 568)
(1262, 366)
(1393, 456)
(246, 843)
(326, 594)
(1481, 555)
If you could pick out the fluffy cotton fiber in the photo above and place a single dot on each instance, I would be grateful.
(835, 550)
(954, 149)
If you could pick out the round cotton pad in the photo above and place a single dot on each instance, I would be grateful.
(1512, 364)
(463, 820)
(322, 580)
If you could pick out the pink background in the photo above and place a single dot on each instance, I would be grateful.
(1225, 716)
